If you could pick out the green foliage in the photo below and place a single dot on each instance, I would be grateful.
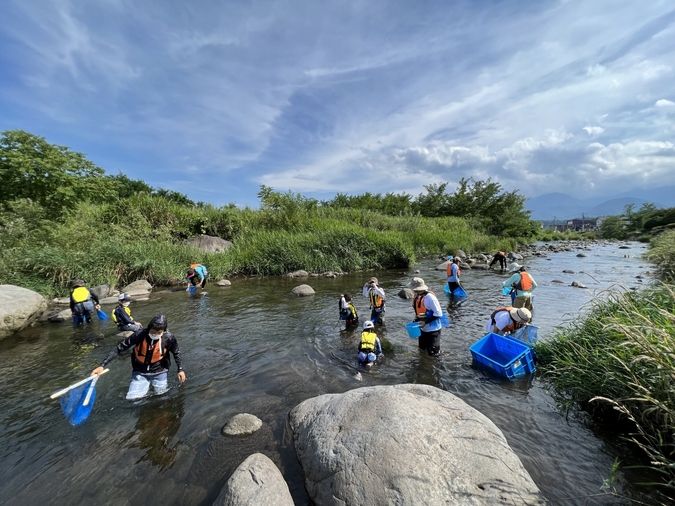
(620, 362)
(662, 253)
(613, 227)
(647, 222)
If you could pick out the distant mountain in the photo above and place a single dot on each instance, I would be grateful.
(560, 206)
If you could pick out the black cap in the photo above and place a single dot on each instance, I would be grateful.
(158, 322)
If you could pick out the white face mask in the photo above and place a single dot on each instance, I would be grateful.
(156, 337)
(126, 304)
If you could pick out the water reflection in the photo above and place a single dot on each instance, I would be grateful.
(157, 425)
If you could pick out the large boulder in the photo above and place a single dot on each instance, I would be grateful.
(19, 307)
(443, 266)
(303, 291)
(405, 444)
(209, 243)
(138, 288)
(101, 291)
(256, 481)
(61, 316)
(460, 253)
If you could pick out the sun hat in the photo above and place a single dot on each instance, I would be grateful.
(520, 315)
(418, 285)
(124, 297)
(368, 325)
(515, 266)
(373, 280)
(450, 257)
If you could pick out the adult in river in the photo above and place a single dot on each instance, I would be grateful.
(453, 272)
(150, 359)
(428, 310)
(376, 298)
(500, 257)
(507, 319)
(197, 275)
(524, 284)
(82, 303)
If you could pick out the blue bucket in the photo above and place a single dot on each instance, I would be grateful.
(445, 321)
(459, 293)
(414, 330)
(506, 290)
(192, 289)
(446, 289)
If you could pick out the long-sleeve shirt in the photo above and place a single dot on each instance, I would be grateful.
(433, 308)
(93, 296)
(374, 290)
(122, 317)
(515, 279)
(168, 343)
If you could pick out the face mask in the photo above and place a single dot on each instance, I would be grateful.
(155, 337)
(126, 304)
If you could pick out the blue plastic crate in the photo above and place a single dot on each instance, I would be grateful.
(505, 356)
(527, 335)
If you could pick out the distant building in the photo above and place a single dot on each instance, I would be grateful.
(577, 224)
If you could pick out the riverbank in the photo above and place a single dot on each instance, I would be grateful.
(618, 364)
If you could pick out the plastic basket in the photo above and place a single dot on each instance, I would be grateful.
(504, 356)
(459, 292)
(414, 330)
(527, 334)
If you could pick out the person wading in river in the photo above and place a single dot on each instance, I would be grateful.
(428, 310)
(150, 359)
(524, 284)
(507, 319)
(375, 296)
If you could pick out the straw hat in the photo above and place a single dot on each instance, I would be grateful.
(515, 266)
(520, 315)
(418, 285)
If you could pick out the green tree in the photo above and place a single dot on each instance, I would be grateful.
(612, 227)
(50, 175)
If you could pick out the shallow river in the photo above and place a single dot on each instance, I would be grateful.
(255, 348)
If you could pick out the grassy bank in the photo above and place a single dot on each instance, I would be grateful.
(143, 237)
(619, 365)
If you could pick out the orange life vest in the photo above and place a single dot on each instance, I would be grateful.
(375, 300)
(155, 354)
(448, 269)
(419, 307)
(525, 284)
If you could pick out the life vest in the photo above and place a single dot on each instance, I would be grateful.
(419, 307)
(448, 269)
(352, 310)
(127, 310)
(155, 355)
(80, 294)
(367, 341)
(511, 326)
(525, 283)
(376, 301)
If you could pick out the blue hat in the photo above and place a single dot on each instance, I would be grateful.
(450, 257)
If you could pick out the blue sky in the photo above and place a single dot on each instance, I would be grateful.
(214, 99)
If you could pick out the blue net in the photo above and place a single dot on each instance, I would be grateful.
(73, 405)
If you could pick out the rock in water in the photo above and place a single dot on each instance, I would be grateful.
(19, 307)
(303, 291)
(405, 444)
(224, 282)
(406, 293)
(242, 424)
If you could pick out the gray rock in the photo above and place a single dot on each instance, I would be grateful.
(111, 300)
(558, 281)
(224, 282)
(567, 271)
(514, 256)
(242, 424)
(581, 255)
(329, 274)
(436, 449)
(483, 258)
(101, 290)
(460, 253)
(61, 316)
(624, 247)
(140, 287)
(297, 274)
(256, 481)
(406, 293)
(62, 301)
(417, 271)
(19, 307)
(209, 243)
(303, 291)
(577, 284)
(464, 266)
(124, 334)
(443, 266)
(480, 267)
(470, 261)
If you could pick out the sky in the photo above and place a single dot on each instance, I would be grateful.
(215, 98)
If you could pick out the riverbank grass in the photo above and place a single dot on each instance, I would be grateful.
(619, 364)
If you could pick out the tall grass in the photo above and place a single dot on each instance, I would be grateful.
(662, 253)
(619, 364)
(143, 237)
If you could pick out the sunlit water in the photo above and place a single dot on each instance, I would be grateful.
(256, 348)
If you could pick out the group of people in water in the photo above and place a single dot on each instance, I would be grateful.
(153, 345)
(429, 313)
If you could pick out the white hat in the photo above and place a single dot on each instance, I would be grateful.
(124, 297)
(418, 285)
(520, 315)
(515, 266)
(368, 325)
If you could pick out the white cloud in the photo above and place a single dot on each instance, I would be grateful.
(663, 102)
(593, 130)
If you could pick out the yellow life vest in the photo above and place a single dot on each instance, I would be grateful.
(80, 294)
(127, 310)
(367, 341)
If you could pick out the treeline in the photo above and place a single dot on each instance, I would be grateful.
(642, 224)
(63, 217)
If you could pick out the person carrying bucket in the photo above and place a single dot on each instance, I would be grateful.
(524, 284)
(150, 359)
(121, 315)
(376, 298)
(82, 303)
(348, 311)
(370, 348)
(507, 319)
(196, 275)
(453, 271)
(428, 310)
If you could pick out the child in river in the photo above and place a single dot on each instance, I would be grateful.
(370, 348)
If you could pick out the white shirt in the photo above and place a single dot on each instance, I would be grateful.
(367, 288)
(502, 320)
(431, 303)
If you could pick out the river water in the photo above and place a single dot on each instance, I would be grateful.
(255, 348)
